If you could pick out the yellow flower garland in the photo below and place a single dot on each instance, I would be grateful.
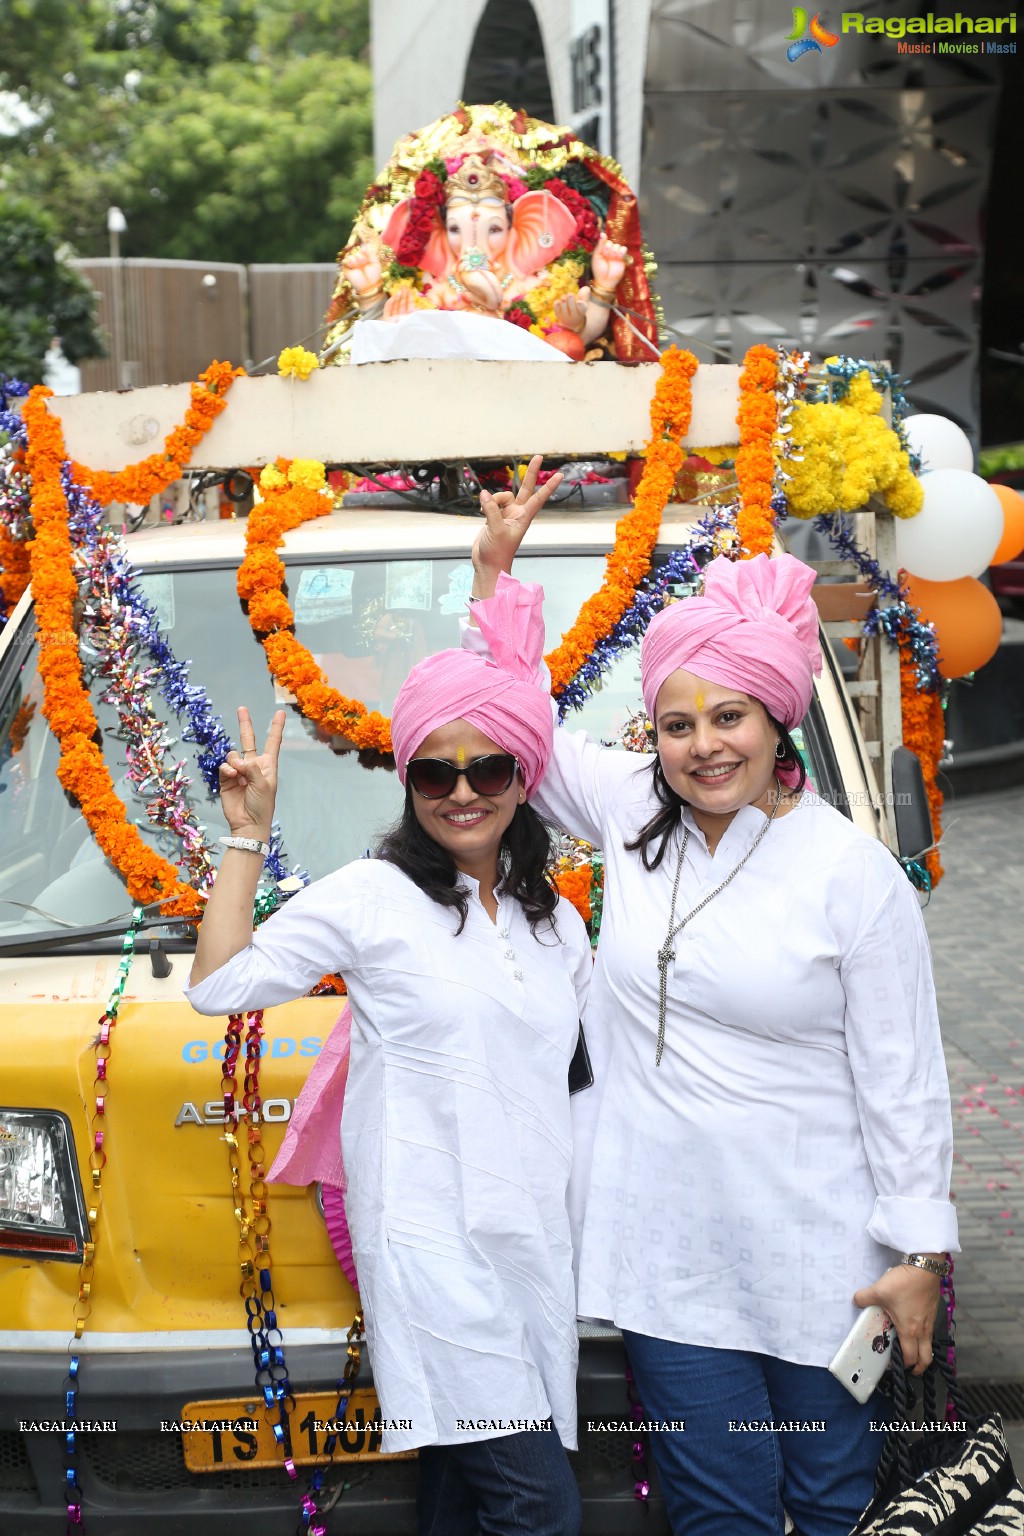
(845, 454)
(561, 283)
(296, 362)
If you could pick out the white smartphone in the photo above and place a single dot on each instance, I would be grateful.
(865, 1354)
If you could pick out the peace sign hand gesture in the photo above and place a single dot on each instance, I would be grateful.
(507, 517)
(248, 779)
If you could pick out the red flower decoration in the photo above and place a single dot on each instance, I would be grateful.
(519, 317)
(587, 226)
(427, 197)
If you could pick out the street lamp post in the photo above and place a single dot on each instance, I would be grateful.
(116, 226)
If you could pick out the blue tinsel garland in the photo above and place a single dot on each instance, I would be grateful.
(898, 620)
(203, 726)
(651, 596)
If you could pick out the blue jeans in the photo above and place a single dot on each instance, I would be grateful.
(514, 1485)
(723, 1482)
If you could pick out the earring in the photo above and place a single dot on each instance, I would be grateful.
(780, 751)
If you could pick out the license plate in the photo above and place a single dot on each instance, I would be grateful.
(229, 1439)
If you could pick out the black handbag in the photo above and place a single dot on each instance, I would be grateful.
(942, 1482)
(581, 1073)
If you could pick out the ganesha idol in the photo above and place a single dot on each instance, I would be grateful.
(507, 218)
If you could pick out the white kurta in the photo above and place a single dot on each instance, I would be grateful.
(456, 1138)
(798, 1128)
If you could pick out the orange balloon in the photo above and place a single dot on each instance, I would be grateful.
(968, 623)
(1012, 541)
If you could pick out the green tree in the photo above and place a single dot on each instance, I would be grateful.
(41, 41)
(40, 295)
(256, 162)
(224, 129)
(337, 29)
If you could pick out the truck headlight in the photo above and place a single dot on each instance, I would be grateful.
(42, 1211)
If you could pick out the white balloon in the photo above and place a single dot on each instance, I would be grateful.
(939, 443)
(956, 531)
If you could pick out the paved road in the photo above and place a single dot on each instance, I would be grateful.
(976, 924)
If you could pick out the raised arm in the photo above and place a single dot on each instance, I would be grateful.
(507, 518)
(583, 780)
(248, 790)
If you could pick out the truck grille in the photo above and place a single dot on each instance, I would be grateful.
(16, 1475)
(145, 1462)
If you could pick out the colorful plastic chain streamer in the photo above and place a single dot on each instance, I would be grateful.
(948, 1295)
(102, 1049)
(641, 1474)
(254, 1224)
(353, 1364)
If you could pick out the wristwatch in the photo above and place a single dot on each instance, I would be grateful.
(940, 1267)
(246, 844)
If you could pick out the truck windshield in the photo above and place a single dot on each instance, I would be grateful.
(366, 622)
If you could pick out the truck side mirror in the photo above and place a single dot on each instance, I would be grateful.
(914, 833)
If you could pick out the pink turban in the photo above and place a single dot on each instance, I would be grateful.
(755, 629)
(505, 698)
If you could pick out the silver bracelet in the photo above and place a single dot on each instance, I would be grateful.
(940, 1267)
(246, 845)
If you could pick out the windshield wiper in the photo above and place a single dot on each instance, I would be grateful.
(39, 943)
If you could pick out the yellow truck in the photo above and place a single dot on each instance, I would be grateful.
(120, 1279)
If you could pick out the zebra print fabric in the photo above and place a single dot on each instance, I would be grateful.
(974, 1492)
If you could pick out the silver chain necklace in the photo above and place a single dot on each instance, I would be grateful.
(666, 954)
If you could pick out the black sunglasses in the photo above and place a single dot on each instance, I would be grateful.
(435, 777)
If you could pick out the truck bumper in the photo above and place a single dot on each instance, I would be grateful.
(134, 1478)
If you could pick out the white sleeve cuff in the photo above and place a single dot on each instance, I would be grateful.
(471, 638)
(914, 1225)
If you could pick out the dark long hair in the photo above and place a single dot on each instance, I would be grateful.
(524, 854)
(652, 840)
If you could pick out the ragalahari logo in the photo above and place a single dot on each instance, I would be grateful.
(819, 37)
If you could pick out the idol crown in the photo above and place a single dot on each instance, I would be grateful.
(475, 182)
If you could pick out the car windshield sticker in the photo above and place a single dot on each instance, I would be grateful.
(325, 592)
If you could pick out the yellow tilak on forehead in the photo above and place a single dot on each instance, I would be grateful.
(700, 701)
(460, 755)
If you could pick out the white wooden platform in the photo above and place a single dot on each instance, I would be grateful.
(405, 412)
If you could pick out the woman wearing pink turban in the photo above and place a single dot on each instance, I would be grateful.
(466, 977)
(771, 1131)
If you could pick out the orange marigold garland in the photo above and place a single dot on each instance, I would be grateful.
(290, 500)
(755, 461)
(13, 570)
(20, 724)
(138, 482)
(637, 532)
(574, 885)
(66, 705)
(924, 732)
